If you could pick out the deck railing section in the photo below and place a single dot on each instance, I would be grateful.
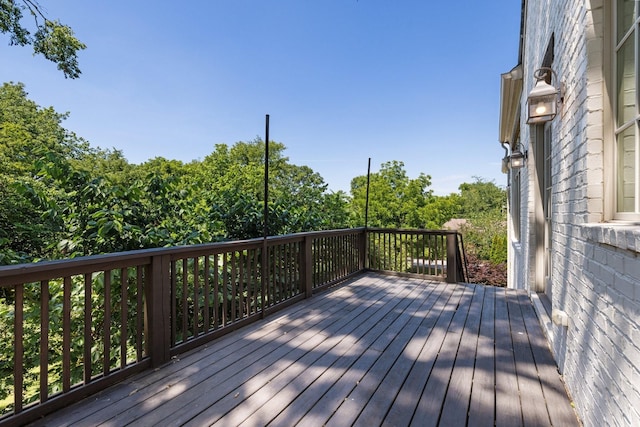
(337, 255)
(71, 325)
(436, 253)
(70, 328)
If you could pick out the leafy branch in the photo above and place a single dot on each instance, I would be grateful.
(52, 39)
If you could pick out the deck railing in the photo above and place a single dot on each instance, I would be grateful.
(70, 328)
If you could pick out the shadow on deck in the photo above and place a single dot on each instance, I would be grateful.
(376, 350)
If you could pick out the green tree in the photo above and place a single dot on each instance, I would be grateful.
(483, 203)
(231, 181)
(395, 200)
(27, 134)
(482, 198)
(52, 39)
(440, 209)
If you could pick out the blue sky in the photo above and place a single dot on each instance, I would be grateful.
(343, 80)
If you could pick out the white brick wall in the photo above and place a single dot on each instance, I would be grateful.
(595, 265)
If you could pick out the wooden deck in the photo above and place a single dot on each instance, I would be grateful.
(377, 350)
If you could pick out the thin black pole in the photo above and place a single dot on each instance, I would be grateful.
(265, 225)
(366, 206)
(266, 179)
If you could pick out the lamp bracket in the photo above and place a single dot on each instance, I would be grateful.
(541, 74)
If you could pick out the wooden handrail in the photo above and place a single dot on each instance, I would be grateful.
(137, 309)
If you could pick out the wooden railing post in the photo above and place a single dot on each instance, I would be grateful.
(364, 247)
(158, 308)
(306, 267)
(452, 258)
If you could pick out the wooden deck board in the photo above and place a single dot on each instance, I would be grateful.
(508, 403)
(528, 381)
(559, 407)
(482, 402)
(377, 350)
(456, 404)
(388, 388)
(430, 402)
(403, 407)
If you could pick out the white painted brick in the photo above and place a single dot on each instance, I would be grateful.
(631, 268)
(596, 268)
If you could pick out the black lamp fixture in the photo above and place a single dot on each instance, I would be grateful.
(543, 100)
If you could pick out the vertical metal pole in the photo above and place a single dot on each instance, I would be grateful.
(366, 206)
(265, 226)
(266, 179)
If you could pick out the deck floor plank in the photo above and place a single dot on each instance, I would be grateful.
(456, 404)
(483, 392)
(432, 397)
(508, 403)
(376, 350)
(528, 381)
(404, 406)
(559, 407)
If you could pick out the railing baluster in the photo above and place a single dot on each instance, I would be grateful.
(88, 337)
(225, 290)
(216, 293)
(256, 281)
(124, 299)
(66, 334)
(332, 258)
(207, 294)
(185, 299)
(106, 326)
(174, 303)
(139, 313)
(196, 297)
(18, 345)
(282, 271)
(423, 257)
(295, 268)
(44, 340)
(247, 280)
(234, 286)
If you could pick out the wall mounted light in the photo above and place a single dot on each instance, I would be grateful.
(517, 159)
(543, 100)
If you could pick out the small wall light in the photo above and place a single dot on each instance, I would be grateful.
(517, 159)
(543, 99)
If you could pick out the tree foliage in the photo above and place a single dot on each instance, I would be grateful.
(52, 39)
(484, 205)
(60, 197)
(395, 200)
(63, 198)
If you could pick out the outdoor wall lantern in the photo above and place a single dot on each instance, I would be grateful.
(543, 100)
(517, 159)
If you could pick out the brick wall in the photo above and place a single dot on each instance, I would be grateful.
(595, 265)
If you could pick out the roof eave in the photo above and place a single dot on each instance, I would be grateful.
(510, 94)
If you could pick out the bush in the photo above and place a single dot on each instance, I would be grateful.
(486, 272)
